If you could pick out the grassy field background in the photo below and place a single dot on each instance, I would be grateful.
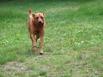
(73, 39)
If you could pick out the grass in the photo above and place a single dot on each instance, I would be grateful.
(73, 39)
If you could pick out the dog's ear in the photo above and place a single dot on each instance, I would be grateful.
(43, 14)
(30, 11)
(33, 15)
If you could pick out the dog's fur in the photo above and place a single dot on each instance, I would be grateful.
(36, 29)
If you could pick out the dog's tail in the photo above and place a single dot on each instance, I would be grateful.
(30, 11)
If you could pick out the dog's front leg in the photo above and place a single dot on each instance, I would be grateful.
(33, 38)
(41, 42)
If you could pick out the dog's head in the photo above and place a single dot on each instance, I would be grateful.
(39, 18)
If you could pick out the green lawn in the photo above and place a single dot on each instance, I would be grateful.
(73, 39)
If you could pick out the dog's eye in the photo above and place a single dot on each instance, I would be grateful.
(36, 17)
(41, 17)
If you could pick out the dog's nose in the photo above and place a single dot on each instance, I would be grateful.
(40, 22)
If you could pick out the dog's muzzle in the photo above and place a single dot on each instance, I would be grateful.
(40, 22)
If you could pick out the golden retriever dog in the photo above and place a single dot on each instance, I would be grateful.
(36, 29)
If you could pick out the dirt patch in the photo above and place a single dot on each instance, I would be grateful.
(15, 67)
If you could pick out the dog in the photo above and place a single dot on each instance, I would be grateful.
(36, 25)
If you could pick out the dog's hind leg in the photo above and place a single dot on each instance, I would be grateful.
(37, 37)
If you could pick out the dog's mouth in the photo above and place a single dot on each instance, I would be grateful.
(40, 23)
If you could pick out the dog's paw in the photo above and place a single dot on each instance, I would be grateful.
(34, 49)
(41, 52)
